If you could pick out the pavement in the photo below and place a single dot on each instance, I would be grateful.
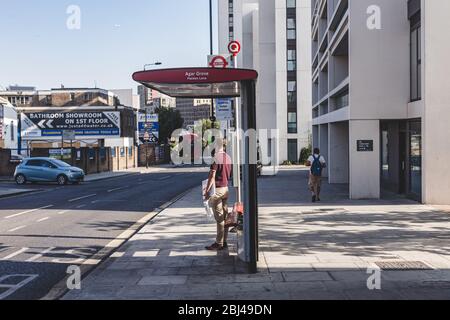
(336, 249)
(44, 233)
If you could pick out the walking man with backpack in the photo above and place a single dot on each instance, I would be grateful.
(317, 164)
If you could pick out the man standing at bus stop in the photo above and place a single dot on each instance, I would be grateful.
(220, 175)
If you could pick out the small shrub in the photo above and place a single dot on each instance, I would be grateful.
(304, 154)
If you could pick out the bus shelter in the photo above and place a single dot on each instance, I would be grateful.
(212, 83)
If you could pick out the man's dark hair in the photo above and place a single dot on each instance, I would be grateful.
(316, 151)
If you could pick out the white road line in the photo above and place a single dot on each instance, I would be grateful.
(17, 229)
(164, 178)
(10, 289)
(81, 198)
(63, 212)
(28, 211)
(82, 206)
(40, 255)
(15, 254)
(43, 219)
(117, 189)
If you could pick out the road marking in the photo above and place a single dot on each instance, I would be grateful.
(117, 189)
(63, 212)
(17, 229)
(40, 255)
(61, 287)
(82, 206)
(13, 288)
(28, 211)
(81, 198)
(43, 219)
(15, 254)
(164, 178)
(141, 183)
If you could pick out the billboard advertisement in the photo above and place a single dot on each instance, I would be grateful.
(86, 124)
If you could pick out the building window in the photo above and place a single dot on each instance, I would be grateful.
(292, 122)
(416, 62)
(292, 60)
(293, 150)
(291, 26)
(72, 96)
(291, 29)
(231, 19)
(292, 93)
(12, 130)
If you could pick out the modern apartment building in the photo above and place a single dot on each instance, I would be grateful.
(192, 110)
(380, 96)
(275, 37)
(151, 99)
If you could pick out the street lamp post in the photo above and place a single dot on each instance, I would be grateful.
(152, 64)
(211, 40)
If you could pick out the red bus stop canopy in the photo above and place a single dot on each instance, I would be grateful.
(196, 82)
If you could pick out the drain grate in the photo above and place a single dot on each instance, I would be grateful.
(403, 265)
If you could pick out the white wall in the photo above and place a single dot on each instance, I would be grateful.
(364, 166)
(436, 92)
(338, 156)
(379, 61)
(9, 126)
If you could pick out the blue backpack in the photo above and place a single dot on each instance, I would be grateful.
(316, 167)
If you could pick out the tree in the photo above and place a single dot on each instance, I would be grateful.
(206, 124)
(169, 120)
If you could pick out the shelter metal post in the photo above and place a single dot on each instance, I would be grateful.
(250, 177)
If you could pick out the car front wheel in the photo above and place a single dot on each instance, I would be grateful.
(62, 180)
(20, 179)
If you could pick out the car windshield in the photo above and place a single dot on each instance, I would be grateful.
(60, 163)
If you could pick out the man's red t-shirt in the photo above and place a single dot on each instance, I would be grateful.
(223, 168)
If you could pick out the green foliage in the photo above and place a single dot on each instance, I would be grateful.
(207, 124)
(304, 154)
(169, 120)
(287, 163)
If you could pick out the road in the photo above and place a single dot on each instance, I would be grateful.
(43, 233)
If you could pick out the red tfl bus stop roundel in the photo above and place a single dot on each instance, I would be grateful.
(210, 83)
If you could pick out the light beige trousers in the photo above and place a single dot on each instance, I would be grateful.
(219, 204)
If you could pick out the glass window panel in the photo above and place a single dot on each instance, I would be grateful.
(292, 66)
(291, 23)
(415, 158)
(414, 89)
(292, 54)
(292, 86)
(291, 3)
(291, 34)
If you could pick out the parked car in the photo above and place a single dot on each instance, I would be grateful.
(47, 170)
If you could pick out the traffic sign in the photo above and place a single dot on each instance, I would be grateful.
(218, 62)
(234, 47)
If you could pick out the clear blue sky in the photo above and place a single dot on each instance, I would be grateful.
(116, 38)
